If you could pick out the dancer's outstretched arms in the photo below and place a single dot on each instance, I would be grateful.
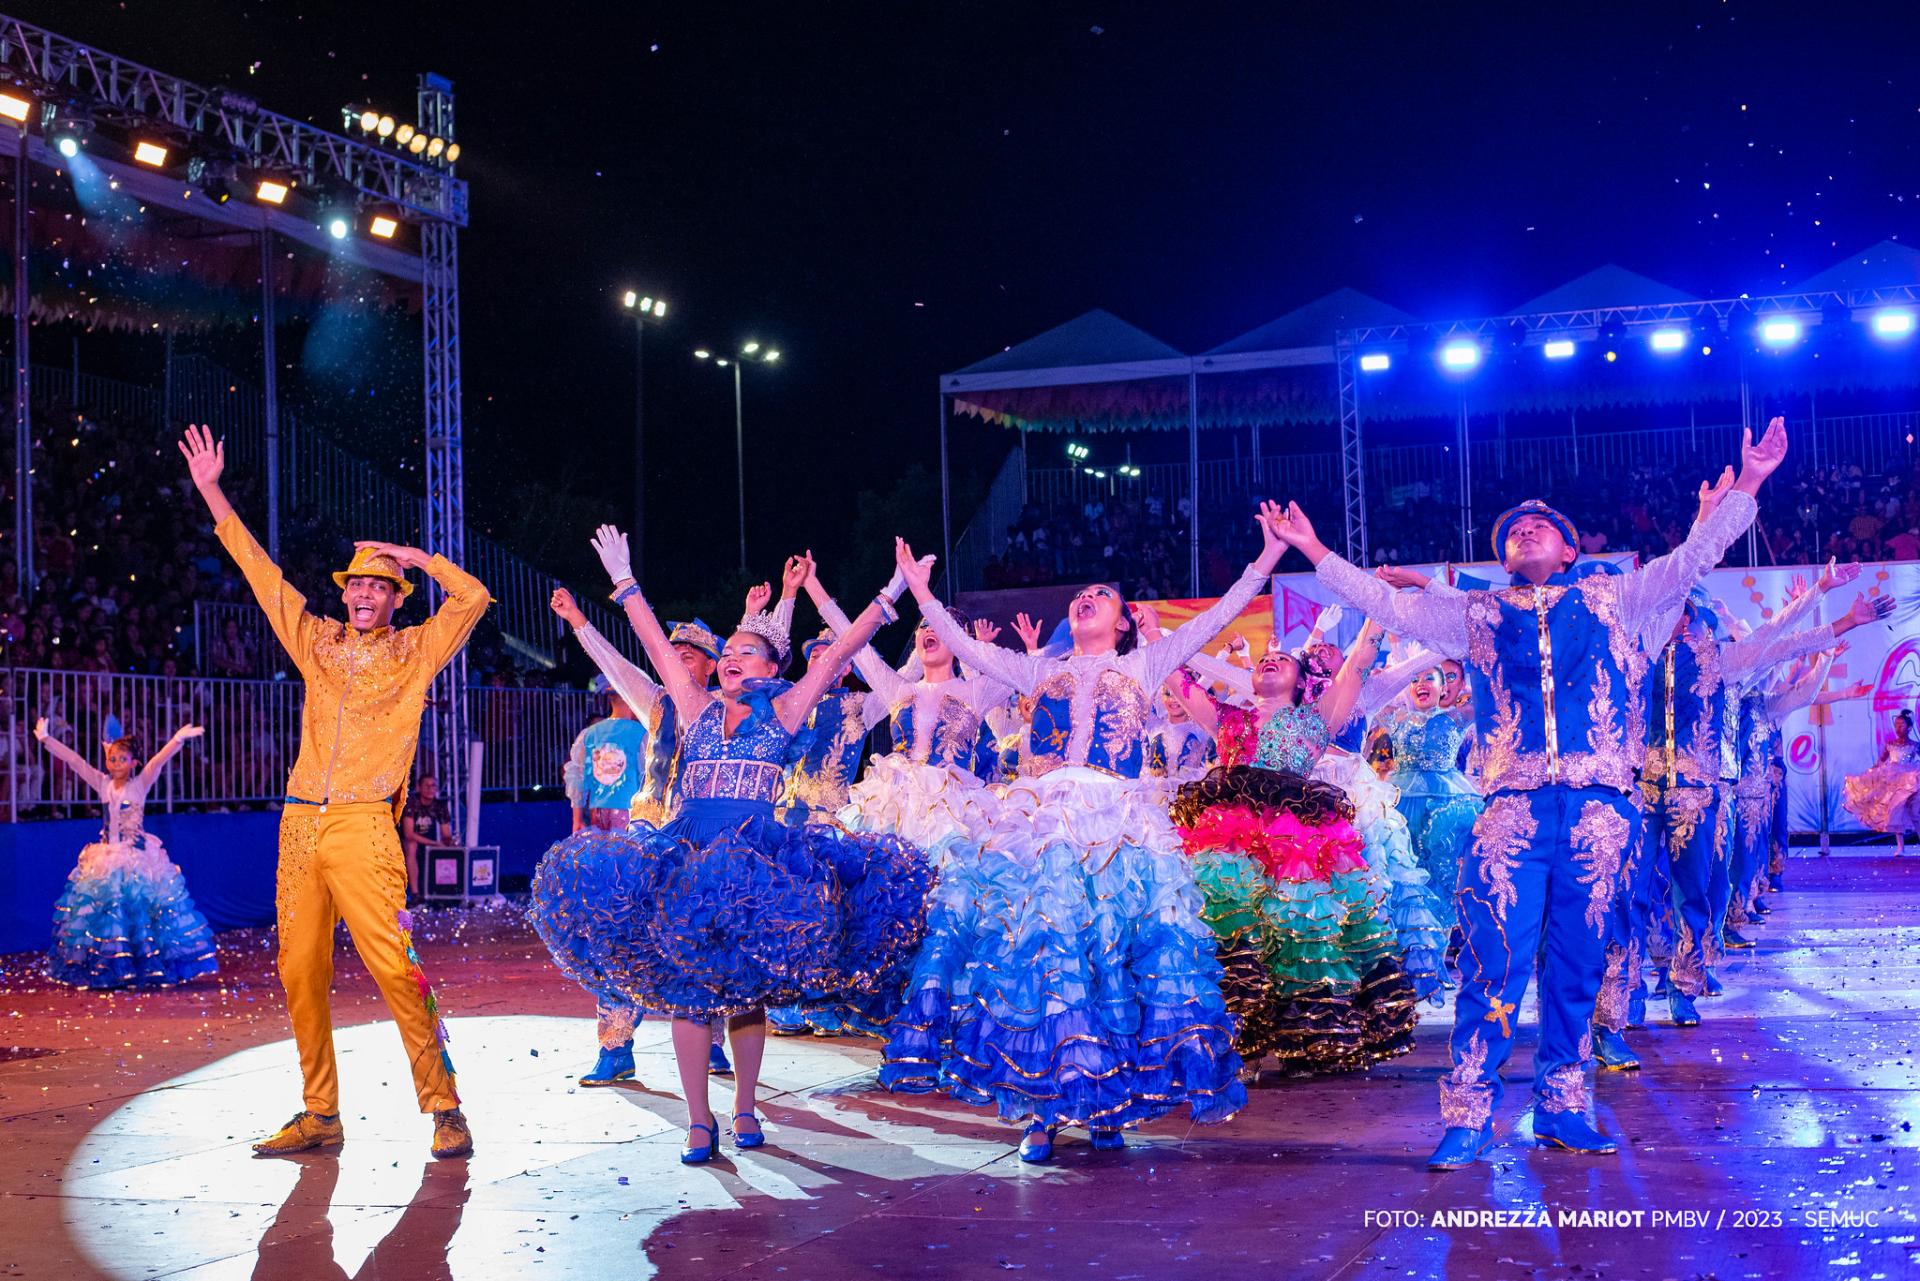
(1167, 655)
(442, 635)
(1391, 681)
(96, 779)
(1439, 620)
(688, 699)
(285, 608)
(1342, 696)
(796, 704)
(1727, 507)
(637, 690)
(883, 680)
(158, 761)
(1018, 671)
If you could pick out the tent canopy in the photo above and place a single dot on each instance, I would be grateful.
(1887, 264)
(1607, 286)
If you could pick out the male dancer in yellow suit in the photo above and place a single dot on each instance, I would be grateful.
(339, 850)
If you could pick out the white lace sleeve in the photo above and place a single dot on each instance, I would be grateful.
(1437, 618)
(884, 681)
(1017, 671)
(1164, 657)
(1237, 679)
(637, 689)
(1798, 695)
(1664, 582)
(1387, 684)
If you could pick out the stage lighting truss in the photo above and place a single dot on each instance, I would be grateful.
(415, 140)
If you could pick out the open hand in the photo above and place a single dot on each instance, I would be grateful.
(1028, 630)
(190, 731)
(1869, 609)
(1710, 495)
(1395, 576)
(1759, 461)
(206, 457)
(562, 603)
(1838, 575)
(1859, 689)
(610, 545)
(986, 631)
(918, 573)
(40, 728)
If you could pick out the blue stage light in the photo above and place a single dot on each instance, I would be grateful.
(1375, 361)
(1780, 332)
(338, 228)
(1893, 323)
(1460, 355)
(68, 146)
(1559, 349)
(1667, 340)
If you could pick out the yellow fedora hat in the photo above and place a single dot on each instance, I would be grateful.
(368, 563)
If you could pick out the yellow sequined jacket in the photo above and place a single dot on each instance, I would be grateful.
(365, 690)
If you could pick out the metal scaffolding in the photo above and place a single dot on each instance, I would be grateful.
(1353, 460)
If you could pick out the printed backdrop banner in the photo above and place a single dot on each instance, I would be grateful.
(1824, 744)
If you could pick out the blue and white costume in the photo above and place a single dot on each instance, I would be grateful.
(125, 918)
(1067, 977)
(1559, 682)
(1440, 804)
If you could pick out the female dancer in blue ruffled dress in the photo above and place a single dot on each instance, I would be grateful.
(1439, 801)
(125, 918)
(1067, 977)
(724, 909)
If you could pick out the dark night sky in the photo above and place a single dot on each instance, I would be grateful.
(890, 191)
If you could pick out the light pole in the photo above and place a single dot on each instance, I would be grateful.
(640, 307)
(751, 351)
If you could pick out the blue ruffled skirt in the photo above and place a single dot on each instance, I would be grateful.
(724, 910)
(1067, 976)
(1440, 808)
(125, 919)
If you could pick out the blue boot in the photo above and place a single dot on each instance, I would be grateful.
(1734, 939)
(717, 1064)
(1637, 1008)
(1660, 984)
(1612, 1051)
(613, 1065)
(1460, 1147)
(1570, 1130)
(1680, 1005)
(1714, 986)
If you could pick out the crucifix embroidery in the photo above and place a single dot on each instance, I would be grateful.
(1498, 1014)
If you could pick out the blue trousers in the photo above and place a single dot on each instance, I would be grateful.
(1777, 854)
(1688, 821)
(1628, 950)
(1753, 812)
(1720, 881)
(1540, 879)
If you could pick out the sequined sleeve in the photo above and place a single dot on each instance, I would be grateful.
(637, 690)
(888, 685)
(286, 609)
(1437, 618)
(1019, 671)
(573, 775)
(1664, 582)
(466, 600)
(1386, 684)
(1164, 657)
(1238, 680)
(78, 764)
(1766, 649)
(1798, 695)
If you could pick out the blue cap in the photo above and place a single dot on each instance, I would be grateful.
(1532, 507)
(697, 635)
(600, 684)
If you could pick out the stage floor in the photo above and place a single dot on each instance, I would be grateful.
(1785, 1123)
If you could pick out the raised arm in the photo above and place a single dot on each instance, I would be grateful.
(882, 679)
(636, 689)
(688, 700)
(96, 779)
(158, 761)
(1726, 509)
(1784, 702)
(794, 706)
(1390, 681)
(1202, 708)
(1017, 671)
(1342, 696)
(285, 608)
(442, 635)
(1237, 679)
(1437, 619)
(1168, 654)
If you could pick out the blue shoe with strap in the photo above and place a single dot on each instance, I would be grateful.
(754, 1140)
(1681, 1006)
(1570, 1130)
(717, 1064)
(1461, 1146)
(613, 1066)
(1613, 1052)
(700, 1156)
(1036, 1145)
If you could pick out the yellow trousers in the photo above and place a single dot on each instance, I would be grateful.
(345, 865)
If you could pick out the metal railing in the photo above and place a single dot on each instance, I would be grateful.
(252, 735)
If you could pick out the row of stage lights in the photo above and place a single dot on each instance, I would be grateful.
(1080, 454)
(71, 132)
(1462, 355)
(414, 141)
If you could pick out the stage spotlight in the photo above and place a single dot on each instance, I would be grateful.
(1706, 351)
(1893, 323)
(419, 144)
(67, 145)
(1460, 354)
(1558, 349)
(14, 107)
(453, 152)
(434, 147)
(383, 226)
(338, 227)
(1612, 356)
(369, 121)
(150, 153)
(1780, 332)
(1667, 340)
(271, 192)
(384, 126)
(403, 135)
(1375, 361)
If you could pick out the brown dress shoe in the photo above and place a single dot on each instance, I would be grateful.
(302, 1134)
(451, 1137)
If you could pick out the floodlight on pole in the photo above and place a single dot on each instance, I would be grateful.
(15, 108)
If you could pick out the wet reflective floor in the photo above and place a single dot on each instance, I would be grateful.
(1776, 1140)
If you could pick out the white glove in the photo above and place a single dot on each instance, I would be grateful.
(40, 729)
(611, 546)
(1329, 619)
(897, 585)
